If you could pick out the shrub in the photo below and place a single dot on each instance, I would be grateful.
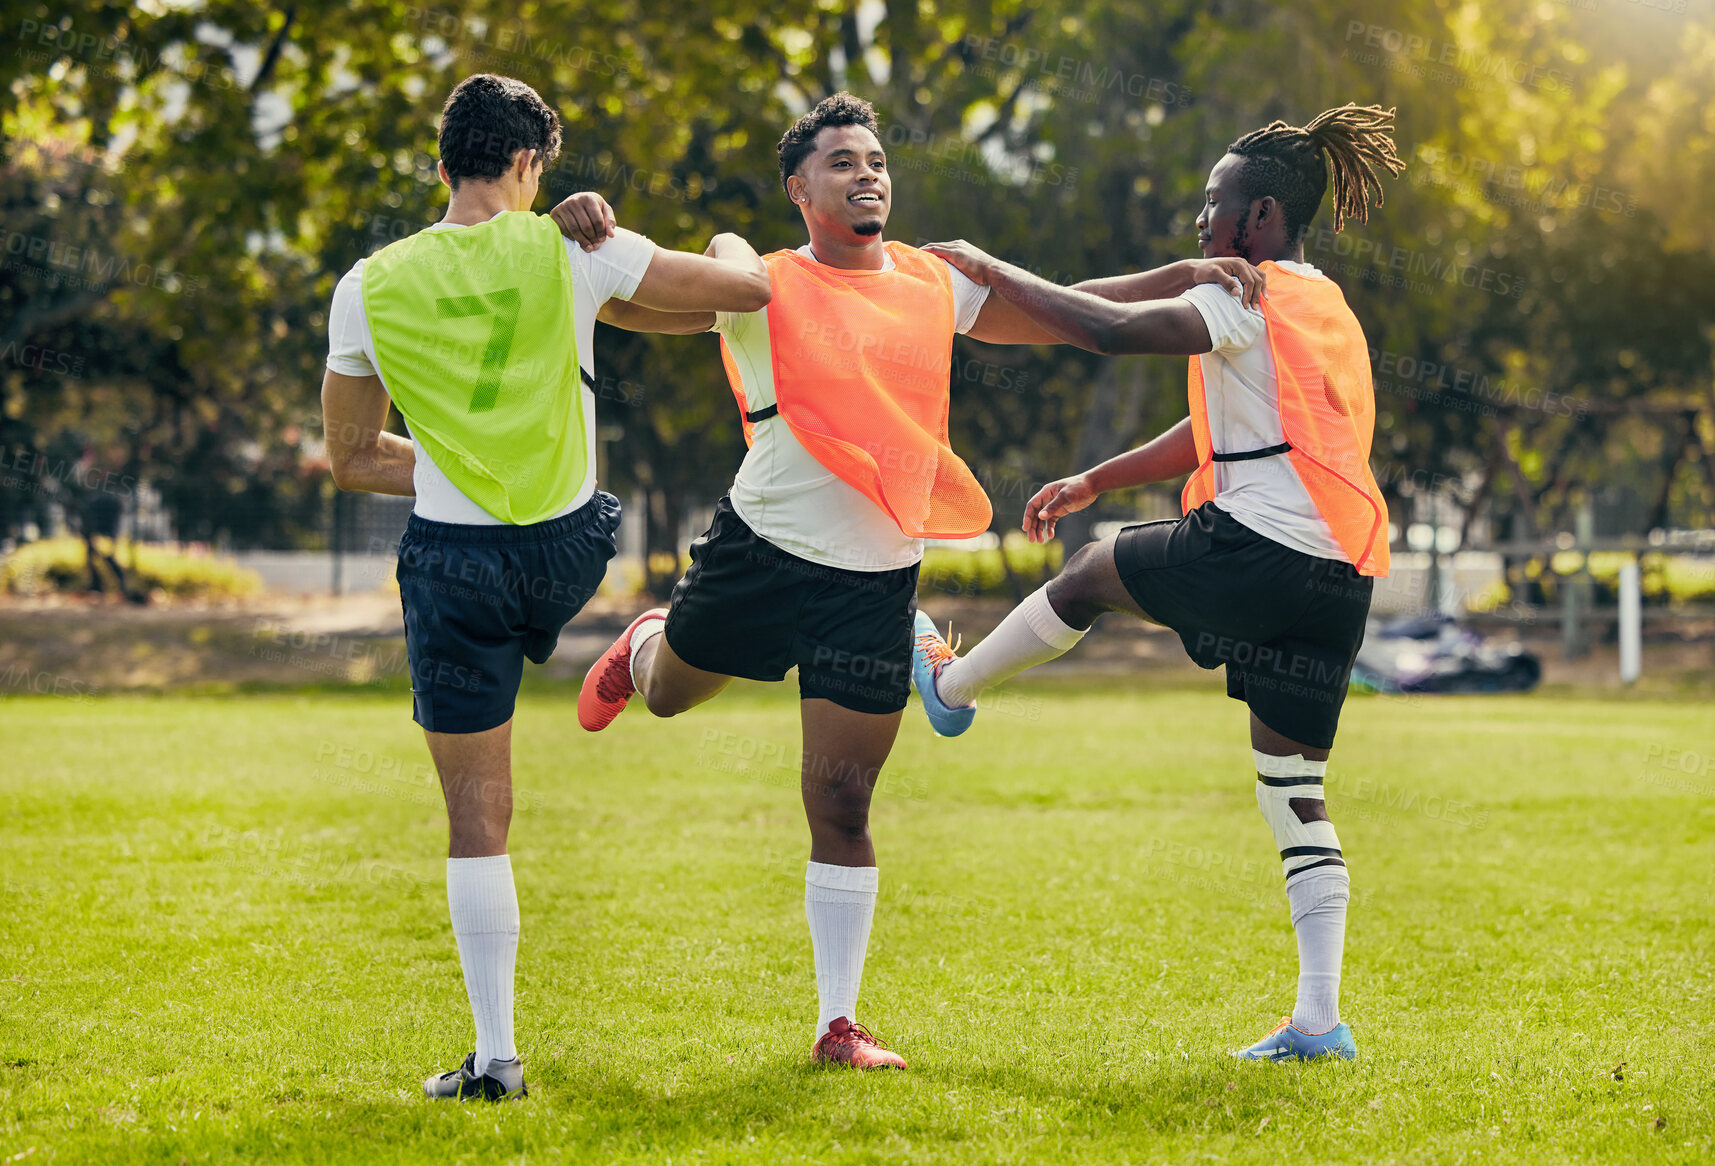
(60, 564)
(977, 573)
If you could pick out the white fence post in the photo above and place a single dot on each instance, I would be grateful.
(1631, 623)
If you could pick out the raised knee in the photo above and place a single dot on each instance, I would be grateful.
(659, 701)
(1074, 593)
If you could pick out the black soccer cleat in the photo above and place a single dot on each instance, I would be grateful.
(503, 1082)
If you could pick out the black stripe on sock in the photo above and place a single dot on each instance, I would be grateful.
(1306, 851)
(1285, 781)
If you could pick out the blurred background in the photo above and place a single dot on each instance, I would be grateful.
(184, 183)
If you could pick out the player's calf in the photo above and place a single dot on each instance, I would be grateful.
(1289, 793)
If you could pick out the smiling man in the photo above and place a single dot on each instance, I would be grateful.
(812, 559)
(1271, 568)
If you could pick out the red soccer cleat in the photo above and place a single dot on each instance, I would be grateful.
(607, 685)
(851, 1044)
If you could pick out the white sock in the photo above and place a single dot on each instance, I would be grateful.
(640, 636)
(484, 906)
(1318, 900)
(1031, 634)
(839, 902)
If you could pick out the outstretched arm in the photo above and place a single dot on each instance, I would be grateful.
(1236, 275)
(634, 317)
(728, 277)
(1170, 455)
(1163, 327)
(1004, 322)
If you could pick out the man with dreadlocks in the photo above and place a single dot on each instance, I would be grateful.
(1270, 570)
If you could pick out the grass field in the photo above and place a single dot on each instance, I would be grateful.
(226, 936)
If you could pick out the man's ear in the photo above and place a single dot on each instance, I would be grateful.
(446, 179)
(796, 190)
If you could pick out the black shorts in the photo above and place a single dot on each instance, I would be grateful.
(747, 608)
(1286, 624)
(479, 599)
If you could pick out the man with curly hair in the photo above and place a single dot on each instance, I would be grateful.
(842, 382)
(480, 330)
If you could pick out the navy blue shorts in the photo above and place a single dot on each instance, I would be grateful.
(479, 599)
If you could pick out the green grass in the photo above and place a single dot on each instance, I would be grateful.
(226, 937)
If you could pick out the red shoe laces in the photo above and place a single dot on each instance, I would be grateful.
(857, 1034)
(614, 683)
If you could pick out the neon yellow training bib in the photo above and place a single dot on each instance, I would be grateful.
(474, 337)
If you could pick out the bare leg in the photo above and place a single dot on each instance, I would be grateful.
(1266, 740)
(668, 685)
(476, 778)
(843, 755)
(1090, 585)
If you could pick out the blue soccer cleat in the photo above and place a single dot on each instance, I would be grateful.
(1287, 1043)
(930, 654)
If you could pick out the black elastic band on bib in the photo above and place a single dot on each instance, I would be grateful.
(588, 379)
(762, 414)
(1252, 454)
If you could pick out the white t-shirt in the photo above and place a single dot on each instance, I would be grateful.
(788, 497)
(611, 271)
(1264, 494)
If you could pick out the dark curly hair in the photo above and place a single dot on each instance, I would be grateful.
(799, 142)
(1291, 164)
(487, 119)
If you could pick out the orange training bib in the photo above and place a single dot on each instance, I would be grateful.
(862, 362)
(1327, 413)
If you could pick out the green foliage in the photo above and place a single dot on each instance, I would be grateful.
(1662, 578)
(233, 160)
(949, 571)
(61, 564)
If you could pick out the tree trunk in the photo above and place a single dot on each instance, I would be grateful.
(1110, 425)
